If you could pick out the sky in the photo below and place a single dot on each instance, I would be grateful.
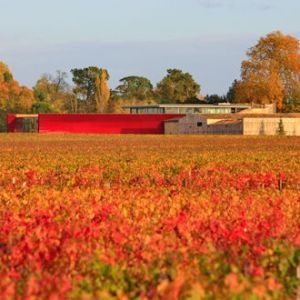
(207, 38)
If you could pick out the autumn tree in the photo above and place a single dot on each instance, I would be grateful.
(44, 95)
(272, 72)
(102, 93)
(293, 104)
(177, 87)
(13, 97)
(54, 94)
(261, 87)
(91, 88)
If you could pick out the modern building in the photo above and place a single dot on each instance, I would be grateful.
(251, 121)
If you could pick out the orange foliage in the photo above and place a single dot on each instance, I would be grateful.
(144, 217)
(13, 97)
(272, 72)
(102, 91)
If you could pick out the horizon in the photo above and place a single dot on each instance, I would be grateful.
(210, 40)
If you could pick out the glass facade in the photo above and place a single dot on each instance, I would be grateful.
(147, 110)
(198, 110)
(172, 110)
(186, 110)
(27, 124)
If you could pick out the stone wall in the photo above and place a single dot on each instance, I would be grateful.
(190, 124)
(265, 109)
(197, 124)
(229, 128)
(171, 127)
(270, 126)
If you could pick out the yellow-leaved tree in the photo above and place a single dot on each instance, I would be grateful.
(272, 72)
(102, 94)
(13, 97)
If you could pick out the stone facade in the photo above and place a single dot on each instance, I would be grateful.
(270, 126)
(247, 125)
(197, 124)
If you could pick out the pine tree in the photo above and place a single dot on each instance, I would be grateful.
(280, 130)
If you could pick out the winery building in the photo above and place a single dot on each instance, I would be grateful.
(238, 119)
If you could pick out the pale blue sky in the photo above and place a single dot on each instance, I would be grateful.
(207, 38)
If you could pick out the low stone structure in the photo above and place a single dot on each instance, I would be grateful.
(270, 126)
(198, 124)
(244, 124)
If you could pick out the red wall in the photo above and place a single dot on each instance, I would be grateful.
(104, 123)
(11, 123)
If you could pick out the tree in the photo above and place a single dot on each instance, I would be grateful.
(231, 94)
(42, 89)
(13, 97)
(272, 72)
(53, 93)
(116, 104)
(293, 104)
(60, 81)
(260, 87)
(280, 130)
(41, 107)
(5, 74)
(215, 99)
(136, 87)
(177, 87)
(91, 87)
(102, 94)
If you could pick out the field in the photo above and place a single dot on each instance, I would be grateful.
(149, 217)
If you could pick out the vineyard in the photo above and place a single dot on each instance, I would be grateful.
(149, 217)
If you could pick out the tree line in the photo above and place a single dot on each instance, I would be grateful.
(270, 74)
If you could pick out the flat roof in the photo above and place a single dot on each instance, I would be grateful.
(174, 120)
(26, 115)
(235, 118)
(243, 116)
(226, 121)
(221, 105)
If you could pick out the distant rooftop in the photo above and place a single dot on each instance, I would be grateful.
(188, 105)
(243, 116)
(223, 119)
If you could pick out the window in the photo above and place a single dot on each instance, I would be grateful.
(199, 124)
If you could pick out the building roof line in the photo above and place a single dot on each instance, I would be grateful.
(188, 106)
